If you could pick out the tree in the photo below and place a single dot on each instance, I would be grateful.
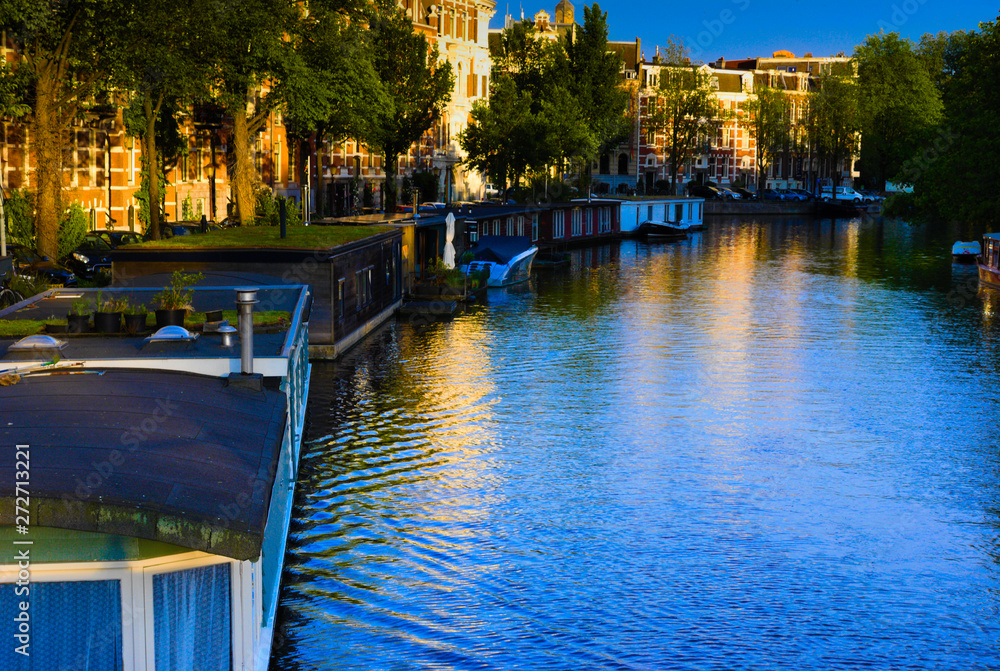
(342, 91)
(159, 49)
(417, 83)
(769, 127)
(254, 64)
(833, 121)
(504, 138)
(898, 105)
(595, 82)
(685, 109)
(58, 44)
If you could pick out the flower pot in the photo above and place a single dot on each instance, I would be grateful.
(213, 315)
(108, 322)
(135, 323)
(77, 323)
(170, 317)
(56, 328)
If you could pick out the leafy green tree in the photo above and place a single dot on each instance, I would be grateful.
(417, 83)
(898, 105)
(255, 63)
(954, 173)
(160, 55)
(59, 47)
(342, 91)
(685, 108)
(769, 126)
(595, 82)
(504, 138)
(833, 124)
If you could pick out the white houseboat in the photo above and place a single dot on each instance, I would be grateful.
(147, 486)
(505, 259)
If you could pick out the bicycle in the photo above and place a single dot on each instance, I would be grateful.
(8, 295)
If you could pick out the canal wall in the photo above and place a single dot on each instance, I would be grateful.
(759, 207)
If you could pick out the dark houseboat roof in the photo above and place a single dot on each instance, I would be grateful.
(173, 457)
(500, 248)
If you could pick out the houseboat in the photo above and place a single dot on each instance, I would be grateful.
(146, 496)
(989, 261)
(504, 260)
(664, 217)
(549, 226)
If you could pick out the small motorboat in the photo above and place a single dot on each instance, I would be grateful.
(965, 252)
(504, 260)
(658, 231)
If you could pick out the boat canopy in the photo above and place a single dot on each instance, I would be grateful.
(500, 248)
(174, 457)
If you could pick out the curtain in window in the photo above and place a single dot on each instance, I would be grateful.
(191, 616)
(73, 625)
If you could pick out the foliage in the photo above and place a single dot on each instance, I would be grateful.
(770, 127)
(267, 237)
(109, 303)
(81, 306)
(179, 294)
(898, 105)
(142, 196)
(130, 308)
(29, 285)
(72, 229)
(686, 109)
(833, 124)
(268, 211)
(19, 209)
(20, 328)
(427, 184)
(418, 84)
(595, 82)
(954, 171)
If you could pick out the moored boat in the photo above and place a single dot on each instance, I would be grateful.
(150, 496)
(504, 260)
(965, 252)
(661, 231)
(548, 260)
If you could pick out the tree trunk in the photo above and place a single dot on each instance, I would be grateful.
(320, 191)
(244, 177)
(152, 165)
(48, 170)
(391, 167)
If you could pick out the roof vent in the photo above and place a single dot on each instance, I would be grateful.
(172, 334)
(37, 343)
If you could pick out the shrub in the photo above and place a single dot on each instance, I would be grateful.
(269, 209)
(72, 229)
(19, 210)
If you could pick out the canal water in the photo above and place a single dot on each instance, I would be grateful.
(773, 445)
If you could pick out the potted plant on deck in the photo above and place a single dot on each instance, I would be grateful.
(108, 315)
(135, 317)
(78, 318)
(175, 300)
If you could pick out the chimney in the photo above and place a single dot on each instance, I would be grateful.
(245, 300)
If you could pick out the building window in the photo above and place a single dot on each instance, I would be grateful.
(559, 224)
(534, 227)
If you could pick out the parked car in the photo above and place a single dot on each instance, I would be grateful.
(90, 258)
(772, 194)
(872, 196)
(802, 192)
(118, 238)
(28, 262)
(703, 191)
(728, 193)
(791, 194)
(745, 194)
(174, 228)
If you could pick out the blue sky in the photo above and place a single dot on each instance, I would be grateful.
(746, 28)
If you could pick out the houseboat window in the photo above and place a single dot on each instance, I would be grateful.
(191, 613)
(341, 286)
(520, 225)
(534, 227)
(486, 228)
(649, 215)
(590, 221)
(558, 224)
(577, 217)
(62, 625)
(496, 227)
(510, 225)
(473, 234)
